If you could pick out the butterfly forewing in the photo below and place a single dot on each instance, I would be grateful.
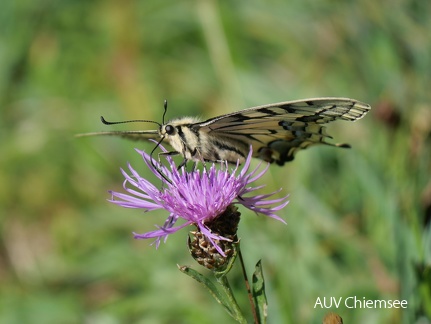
(278, 131)
(131, 135)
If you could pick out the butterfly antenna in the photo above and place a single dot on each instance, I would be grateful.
(165, 106)
(128, 121)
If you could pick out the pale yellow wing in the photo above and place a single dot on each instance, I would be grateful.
(132, 135)
(277, 131)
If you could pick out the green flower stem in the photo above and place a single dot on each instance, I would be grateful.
(247, 285)
(235, 311)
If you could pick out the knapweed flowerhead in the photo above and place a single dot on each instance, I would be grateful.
(196, 197)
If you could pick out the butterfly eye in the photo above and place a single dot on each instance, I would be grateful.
(170, 130)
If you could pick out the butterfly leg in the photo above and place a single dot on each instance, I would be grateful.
(171, 153)
(194, 165)
(183, 163)
(157, 167)
(197, 157)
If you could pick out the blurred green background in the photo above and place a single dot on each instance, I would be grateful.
(358, 221)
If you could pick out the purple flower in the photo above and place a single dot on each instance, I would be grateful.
(197, 197)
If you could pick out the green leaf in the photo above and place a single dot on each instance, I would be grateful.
(258, 290)
(207, 283)
(223, 295)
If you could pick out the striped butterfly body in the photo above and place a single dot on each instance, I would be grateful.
(275, 132)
